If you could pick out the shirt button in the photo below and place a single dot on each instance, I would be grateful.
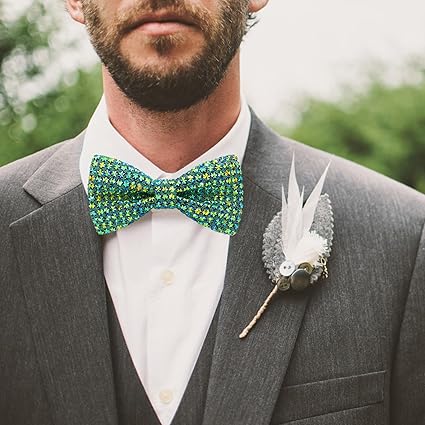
(166, 396)
(167, 277)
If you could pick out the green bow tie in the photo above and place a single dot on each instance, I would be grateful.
(211, 194)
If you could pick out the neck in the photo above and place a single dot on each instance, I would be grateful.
(172, 140)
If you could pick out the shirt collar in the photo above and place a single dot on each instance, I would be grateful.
(101, 138)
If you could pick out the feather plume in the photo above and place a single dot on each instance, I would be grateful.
(298, 243)
(309, 249)
(312, 201)
(283, 219)
(292, 209)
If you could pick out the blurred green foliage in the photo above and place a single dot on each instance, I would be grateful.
(58, 115)
(28, 124)
(381, 127)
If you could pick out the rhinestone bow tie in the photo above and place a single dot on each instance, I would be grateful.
(210, 193)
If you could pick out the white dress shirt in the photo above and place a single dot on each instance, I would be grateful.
(165, 272)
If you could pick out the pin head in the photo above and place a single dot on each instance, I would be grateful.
(287, 268)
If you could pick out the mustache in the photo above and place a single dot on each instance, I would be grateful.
(196, 15)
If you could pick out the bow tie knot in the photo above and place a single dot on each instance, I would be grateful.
(164, 194)
(211, 194)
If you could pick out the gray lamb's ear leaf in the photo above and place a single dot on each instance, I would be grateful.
(273, 255)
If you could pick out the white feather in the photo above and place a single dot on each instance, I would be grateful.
(299, 245)
(293, 209)
(309, 249)
(300, 218)
(284, 215)
(312, 201)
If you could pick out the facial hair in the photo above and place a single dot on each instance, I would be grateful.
(186, 84)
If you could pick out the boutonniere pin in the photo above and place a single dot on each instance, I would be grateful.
(297, 242)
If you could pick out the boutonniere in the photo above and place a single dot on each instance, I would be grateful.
(297, 242)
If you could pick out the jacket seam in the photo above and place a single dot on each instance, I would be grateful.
(262, 189)
(43, 205)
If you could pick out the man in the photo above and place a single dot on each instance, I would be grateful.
(139, 323)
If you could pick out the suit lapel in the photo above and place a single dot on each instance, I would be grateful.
(60, 263)
(246, 375)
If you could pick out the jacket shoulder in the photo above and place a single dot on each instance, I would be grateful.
(354, 186)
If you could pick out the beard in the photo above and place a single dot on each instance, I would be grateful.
(182, 84)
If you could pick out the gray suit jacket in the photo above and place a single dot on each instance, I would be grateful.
(351, 351)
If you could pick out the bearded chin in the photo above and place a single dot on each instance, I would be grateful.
(172, 88)
(165, 44)
(168, 91)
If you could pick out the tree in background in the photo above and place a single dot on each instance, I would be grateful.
(382, 127)
(38, 105)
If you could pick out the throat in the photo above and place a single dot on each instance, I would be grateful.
(172, 140)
